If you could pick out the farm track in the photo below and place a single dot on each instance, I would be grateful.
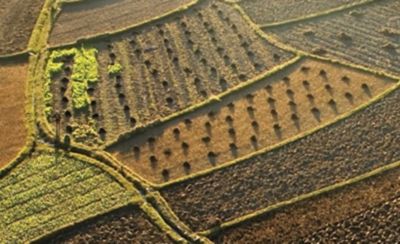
(170, 66)
(294, 222)
(89, 18)
(365, 141)
(128, 224)
(17, 20)
(357, 35)
(297, 99)
(268, 12)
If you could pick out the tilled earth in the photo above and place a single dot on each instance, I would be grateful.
(126, 225)
(377, 225)
(302, 219)
(361, 143)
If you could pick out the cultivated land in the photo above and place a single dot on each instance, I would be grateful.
(93, 17)
(226, 121)
(361, 143)
(50, 190)
(127, 225)
(17, 19)
(293, 223)
(267, 11)
(297, 99)
(163, 68)
(13, 76)
(368, 35)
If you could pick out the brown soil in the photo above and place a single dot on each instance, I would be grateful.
(13, 75)
(17, 19)
(93, 17)
(267, 11)
(367, 35)
(300, 102)
(356, 145)
(173, 64)
(125, 225)
(303, 218)
(377, 225)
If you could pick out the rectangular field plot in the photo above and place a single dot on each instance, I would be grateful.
(292, 223)
(356, 145)
(267, 11)
(13, 79)
(49, 191)
(303, 96)
(160, 69)
(94, 17)
(368, 35)
(127, 225)
(17, 19)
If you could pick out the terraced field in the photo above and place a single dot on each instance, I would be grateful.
(295, 100)
(199, 121)
(17, 20)
(295, 222)
(13, 76)
(368, 35)
(365, 141)
(167, 67)
(51, 190)
(128, 224)
(93, 17)
(275, 11)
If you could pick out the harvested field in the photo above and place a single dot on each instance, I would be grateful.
(379, 224)
(356, 145)
(51, 190)
(267, 11)
(17, 19)
(367, 35)
(158, 70)
(13, 75)
(291, 224)
(297, 99)
(94, 17)
(127, 225)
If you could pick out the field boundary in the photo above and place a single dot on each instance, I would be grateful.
(103, 35)
(325, 190)
(16, 55)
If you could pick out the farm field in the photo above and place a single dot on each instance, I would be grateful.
(378, 224)
(164, 68)
(50, 190)
(13, 76)
(275, 11)
(368, 35)
(127, 225)
(92, 17)
(300, 220)
(357, 145)
(297, 99)
(17, 19)
(200, 121)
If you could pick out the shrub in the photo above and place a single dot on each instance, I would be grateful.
(114, 69)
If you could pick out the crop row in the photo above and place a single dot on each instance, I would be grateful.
(353, 146)
(300, 98)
